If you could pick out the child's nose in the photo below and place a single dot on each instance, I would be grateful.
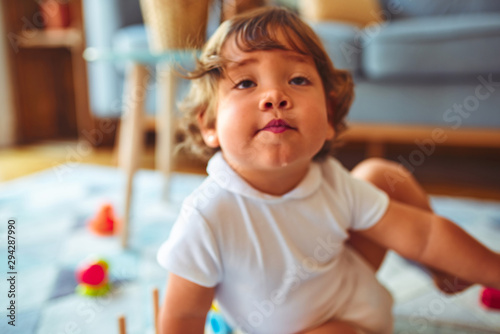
(275, 100)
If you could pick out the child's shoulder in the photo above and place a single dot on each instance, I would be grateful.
(332, 169)
(339, 179)
(209, 192)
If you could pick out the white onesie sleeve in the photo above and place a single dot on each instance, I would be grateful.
(368, 204)
(365, 203)
(191, 251)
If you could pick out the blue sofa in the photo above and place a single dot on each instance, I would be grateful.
(425, 65)
(430, 63)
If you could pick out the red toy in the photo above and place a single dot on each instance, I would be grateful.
(491, 298)
(92, 277)
(105, 222)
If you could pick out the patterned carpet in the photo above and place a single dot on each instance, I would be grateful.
(52, 208)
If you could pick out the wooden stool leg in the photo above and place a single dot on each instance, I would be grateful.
(172, 24)
(122, 327)
(156, 310)
(167, 88)
(131, 136)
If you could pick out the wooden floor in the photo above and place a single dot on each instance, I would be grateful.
(451, 172)
(23, 160)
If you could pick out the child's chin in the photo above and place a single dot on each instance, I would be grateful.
(282, 158)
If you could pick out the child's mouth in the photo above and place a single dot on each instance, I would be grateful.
(277, 126)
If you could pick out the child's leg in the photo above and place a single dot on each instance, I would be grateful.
(401, 186)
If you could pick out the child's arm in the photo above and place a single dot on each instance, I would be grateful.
(185, 306)
(437, 242)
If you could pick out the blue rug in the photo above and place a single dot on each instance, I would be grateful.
(52, 208)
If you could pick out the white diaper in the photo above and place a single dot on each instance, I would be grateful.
(370, 308)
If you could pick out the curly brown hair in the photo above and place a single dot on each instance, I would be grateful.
(259, 30)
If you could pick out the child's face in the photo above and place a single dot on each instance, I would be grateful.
(271, 110)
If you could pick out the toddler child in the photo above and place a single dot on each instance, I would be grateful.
(280, 234)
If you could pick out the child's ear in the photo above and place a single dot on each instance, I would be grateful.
(209, 134)
(210, 137)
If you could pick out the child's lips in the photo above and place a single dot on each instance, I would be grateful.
(277, 126)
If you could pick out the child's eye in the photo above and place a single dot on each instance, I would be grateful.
(299, 81)
(244, 84)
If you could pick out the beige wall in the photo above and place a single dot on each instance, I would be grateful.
(7, 135)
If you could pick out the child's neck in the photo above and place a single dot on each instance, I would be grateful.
(275, 181)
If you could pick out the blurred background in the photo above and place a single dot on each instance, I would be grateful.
(427, 75)
(82, 88)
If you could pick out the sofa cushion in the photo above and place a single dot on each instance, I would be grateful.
(444, 47)
(454, 105)
(398, 9)
(342, 43)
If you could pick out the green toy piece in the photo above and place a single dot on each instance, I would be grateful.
(92, 276)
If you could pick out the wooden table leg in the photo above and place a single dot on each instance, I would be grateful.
(132, 135)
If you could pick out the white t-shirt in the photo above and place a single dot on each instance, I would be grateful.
(279, 263)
